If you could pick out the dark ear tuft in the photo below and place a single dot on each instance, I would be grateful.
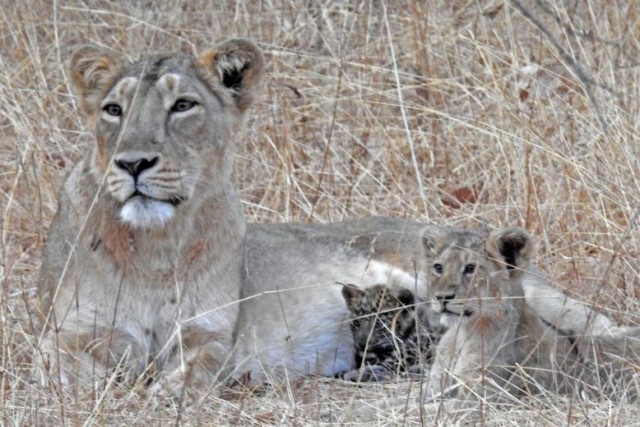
(93, 72)
(238, 65)
(512, 248)
(406, 297)
(233, 78)
(353, 296)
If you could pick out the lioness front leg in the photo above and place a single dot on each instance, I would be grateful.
(91, 359)
(198, 362)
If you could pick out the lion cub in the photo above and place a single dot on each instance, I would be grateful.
(494, 342)
(390, 332)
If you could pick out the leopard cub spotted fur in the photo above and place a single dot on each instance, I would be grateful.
(391, 334)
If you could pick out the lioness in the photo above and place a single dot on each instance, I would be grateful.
(149, 267)
(143, 268)
(143, 261)
(495, 342)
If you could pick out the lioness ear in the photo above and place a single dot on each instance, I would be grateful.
(237, 65)
(353, 296)
(431, 235)
(93, 72)
(511, 247)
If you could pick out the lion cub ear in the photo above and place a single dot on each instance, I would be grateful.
(238, 65)
(406, 297)
(431, 236)
(353, 296)
(511, 247)
(93, 73)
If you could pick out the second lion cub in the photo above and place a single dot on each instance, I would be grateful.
(391, 332)
(494, 341)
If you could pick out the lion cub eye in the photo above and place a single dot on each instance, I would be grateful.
(437, 268)
(182, 105)
(469, 269)
(112, 109)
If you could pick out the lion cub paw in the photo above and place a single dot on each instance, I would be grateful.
(367, 373)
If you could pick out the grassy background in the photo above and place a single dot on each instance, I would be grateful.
(460, 112)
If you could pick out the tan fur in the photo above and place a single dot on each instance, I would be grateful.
(148, 264)
(494, 342)
(93, 72)
(161, 288)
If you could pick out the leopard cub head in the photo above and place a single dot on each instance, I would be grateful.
(385, 326)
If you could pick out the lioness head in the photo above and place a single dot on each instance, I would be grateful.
(472, 274)
(163, 124)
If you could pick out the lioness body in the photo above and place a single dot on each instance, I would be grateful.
(148, 262)
(293, 318)
(123, 292)
(118, 287)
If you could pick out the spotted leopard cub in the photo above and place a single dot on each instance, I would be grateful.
(390, 334)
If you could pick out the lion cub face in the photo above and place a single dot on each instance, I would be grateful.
(163, 125)
(470, 273)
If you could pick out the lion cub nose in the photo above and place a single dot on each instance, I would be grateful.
(137, 166)
(444, 298)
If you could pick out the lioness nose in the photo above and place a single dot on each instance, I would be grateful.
(136, 167)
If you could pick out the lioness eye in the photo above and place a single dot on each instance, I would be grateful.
(182, 105)
(112, 109)
(437, 268)
(469, 269)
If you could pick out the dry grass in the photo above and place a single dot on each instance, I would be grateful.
(460, 112)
